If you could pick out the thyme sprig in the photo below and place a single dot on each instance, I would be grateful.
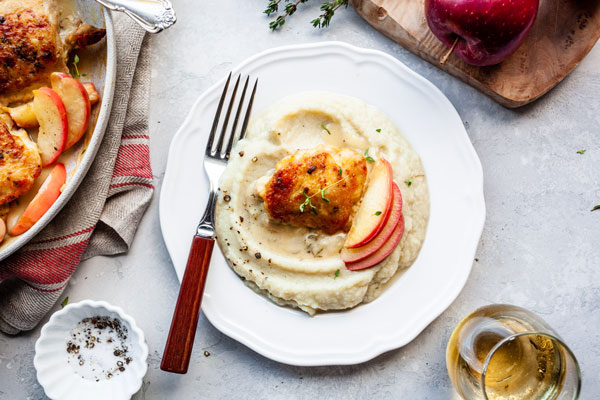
(308, 202)
(328, 9)
(290, 8)
(75, 71)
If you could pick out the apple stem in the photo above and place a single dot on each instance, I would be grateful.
(447, 55)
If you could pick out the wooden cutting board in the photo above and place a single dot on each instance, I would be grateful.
(563, 33)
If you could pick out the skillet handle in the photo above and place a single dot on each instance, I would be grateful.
(178, 350)
(152, 15)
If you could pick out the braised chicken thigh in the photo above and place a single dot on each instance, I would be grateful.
(315, 188)
(20, 163)
(35, 40)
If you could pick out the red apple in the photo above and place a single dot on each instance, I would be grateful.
(43, 200)
(488, 31)
(23, 115)
(384, 251)
(375, 207)
(92, 92)
(52, 116)
(77, 103)
(360, 253)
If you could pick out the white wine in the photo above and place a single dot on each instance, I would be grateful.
(522, 365)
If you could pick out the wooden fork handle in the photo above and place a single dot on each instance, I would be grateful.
(180, 341)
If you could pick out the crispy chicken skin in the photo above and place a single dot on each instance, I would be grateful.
(83, 36)
(302, 175)
(20, 164)
(31, 44)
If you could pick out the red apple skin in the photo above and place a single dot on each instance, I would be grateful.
(360, 253)
(43, 200)
(352, 244)
(488, 30)
(59, 138)
(383, 251)
(77, 105)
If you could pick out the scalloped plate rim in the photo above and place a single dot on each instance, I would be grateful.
(380, 344)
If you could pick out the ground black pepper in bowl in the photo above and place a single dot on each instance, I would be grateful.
(98, 348)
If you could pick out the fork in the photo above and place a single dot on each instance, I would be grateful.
(178, 349)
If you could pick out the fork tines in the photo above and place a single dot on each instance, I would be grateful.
(217, 151)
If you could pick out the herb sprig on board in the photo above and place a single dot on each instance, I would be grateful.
(289, 7)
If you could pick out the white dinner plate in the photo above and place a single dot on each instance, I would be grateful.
(419, 295)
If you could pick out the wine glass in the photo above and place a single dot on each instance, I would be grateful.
(506, 352)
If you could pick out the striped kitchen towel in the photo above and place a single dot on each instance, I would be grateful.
(102, 216)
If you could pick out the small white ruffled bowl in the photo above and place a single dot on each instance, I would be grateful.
(60, 379)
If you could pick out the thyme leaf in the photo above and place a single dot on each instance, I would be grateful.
(377, 213)
(337, 273)
(339, 172)
(323, 196)
(596, 207)
(378, 130)
(409, 181)
(75, 70)
(368, 157)
(64, 302)
(325, 128)
(272, 7)
(581, 151)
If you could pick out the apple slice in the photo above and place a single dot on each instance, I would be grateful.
(375, 208)
(92, 92)
(360, 253)
(43, 200)
(77, 104)
(23, 115)
(52, 116)
(384, 251)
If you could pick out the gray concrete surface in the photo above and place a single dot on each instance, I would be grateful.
(540, 246)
